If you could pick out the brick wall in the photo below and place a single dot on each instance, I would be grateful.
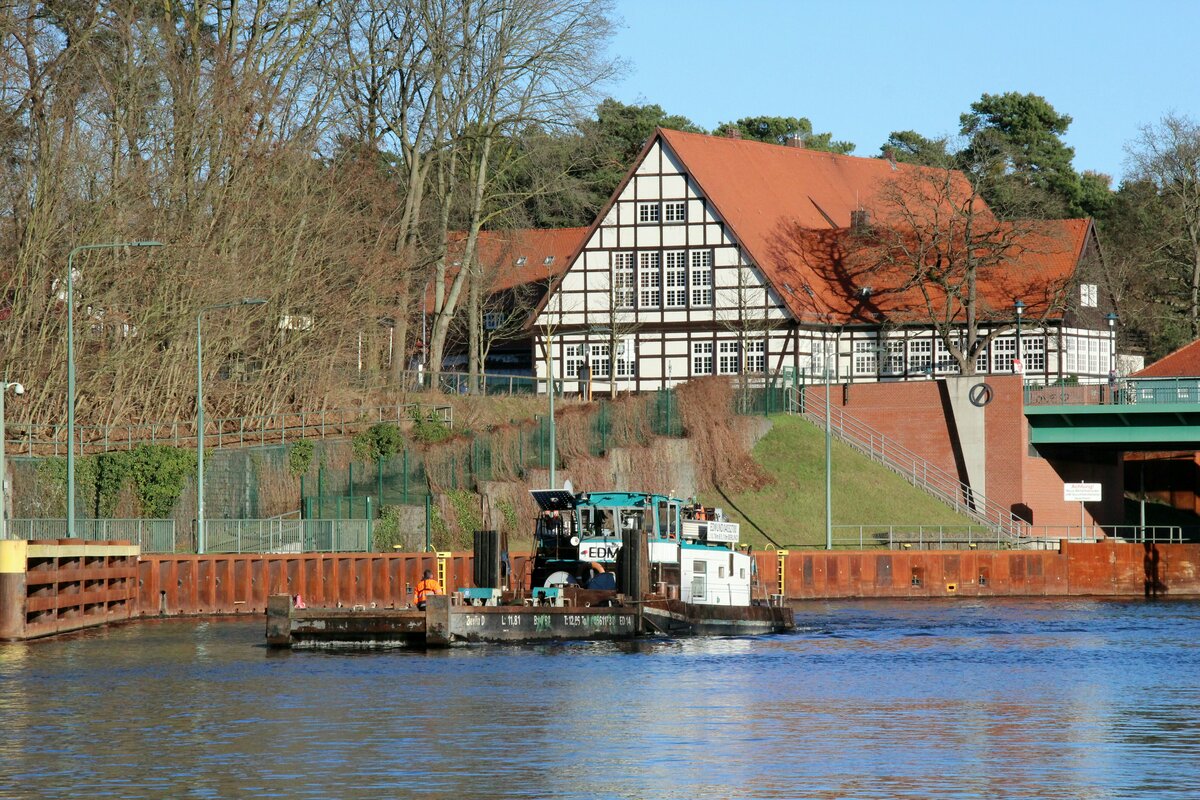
(916, 415)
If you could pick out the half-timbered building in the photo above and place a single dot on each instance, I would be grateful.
(720, 256)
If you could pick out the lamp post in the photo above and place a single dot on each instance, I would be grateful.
(200, 413)
(71, 368)
(18, 389)
(1018, 364)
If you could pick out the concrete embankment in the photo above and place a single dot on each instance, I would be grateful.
(53, 587)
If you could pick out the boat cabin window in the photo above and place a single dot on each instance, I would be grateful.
(668, 520)
(720, 572)
(699, 567)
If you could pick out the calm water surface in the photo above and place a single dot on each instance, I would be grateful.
(1027, 699)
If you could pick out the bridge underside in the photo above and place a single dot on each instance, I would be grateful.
(1174, 426)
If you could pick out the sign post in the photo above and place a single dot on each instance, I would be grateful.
(1083, 493)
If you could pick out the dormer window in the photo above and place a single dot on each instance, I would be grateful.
(649, 213)
(521, 261)
(549, 260)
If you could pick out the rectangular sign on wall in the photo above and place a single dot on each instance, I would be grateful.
(1082, 492)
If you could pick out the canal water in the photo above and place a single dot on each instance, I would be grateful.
(963, 699)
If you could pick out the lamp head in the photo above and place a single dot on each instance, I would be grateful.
(1020, 306)
(1112, 319)
(253, 301)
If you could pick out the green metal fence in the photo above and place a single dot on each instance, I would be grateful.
(288, 535)
(152, 535)
(221, 535)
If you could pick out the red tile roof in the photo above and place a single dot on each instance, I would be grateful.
(516, 257)
(791, 210)
(1183, 363)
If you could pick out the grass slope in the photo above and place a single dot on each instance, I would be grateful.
(791, 511)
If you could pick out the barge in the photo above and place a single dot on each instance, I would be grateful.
(607, 565)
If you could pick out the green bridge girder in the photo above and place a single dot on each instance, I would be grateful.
(1160, 426)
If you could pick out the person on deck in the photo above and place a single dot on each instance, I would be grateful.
(427, 586)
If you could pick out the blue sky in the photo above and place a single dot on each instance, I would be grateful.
(864, 69)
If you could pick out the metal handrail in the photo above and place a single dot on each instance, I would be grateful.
(911, 466)
(221, 431)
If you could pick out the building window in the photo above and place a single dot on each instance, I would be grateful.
(572, 359)
(756, 355)
(649, 280)
(981, 360)
(599, 360)
(893, 358)
(702, 358)
(622, 280)
(1088, 296)
(945, 361)
(1072, 355)
(727, 358)
(920, 357)
(866, 358)
(676, 278)
(548, 260)
(626, 361)
(648, 213)
(492, 320)
(1033, 353)
(675, 212)
(702, 278)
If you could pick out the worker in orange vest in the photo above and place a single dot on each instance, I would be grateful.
(427, 586)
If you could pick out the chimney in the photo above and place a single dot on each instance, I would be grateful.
(795, 140)
(860, 220)
(732, 132)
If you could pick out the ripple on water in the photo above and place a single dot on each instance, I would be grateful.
(1012, 699)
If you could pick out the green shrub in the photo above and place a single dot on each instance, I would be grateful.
(428, 428)
(381, 440)
(300, 457)
(387, 529)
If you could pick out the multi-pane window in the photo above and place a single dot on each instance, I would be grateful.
(893, 357)
(675, 211)
(702, 278)
(622, 280)
(727, 358)
(1093, 363)
(1088, 296)
(649, 280)
(599, 360)
(920, 356)
(702, 358)
(981, 360)
(756, 355)
(1004, 350)
(626, 361)
(492, 320)
(676, 278)
(866, 358)
(1033, 353)
(648, 212)
(1072, 355)
(945, 361)
(572, 360)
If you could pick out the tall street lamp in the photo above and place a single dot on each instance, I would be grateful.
(1018, 364)
(18, 389)
(247, 301)
(71, 368)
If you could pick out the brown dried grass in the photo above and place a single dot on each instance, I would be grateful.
(718, 437)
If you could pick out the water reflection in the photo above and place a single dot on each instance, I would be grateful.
(962, 699)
